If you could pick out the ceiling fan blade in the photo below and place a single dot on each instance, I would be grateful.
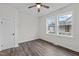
(38, 3)
(45, 6)
(38, 9)
(32, 6)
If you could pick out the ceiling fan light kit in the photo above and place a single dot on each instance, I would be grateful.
(39, 5)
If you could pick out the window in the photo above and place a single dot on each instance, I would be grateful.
(61, 25)
(50, 25)
(65, 24)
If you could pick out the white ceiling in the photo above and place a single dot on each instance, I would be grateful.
(23, 7)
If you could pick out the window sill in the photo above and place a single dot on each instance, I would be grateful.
(64, 35)
(59, 35)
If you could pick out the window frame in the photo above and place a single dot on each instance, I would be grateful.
(47, 26)
(56, 24)
(65, 13)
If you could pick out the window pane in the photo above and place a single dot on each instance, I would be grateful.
(65, 24)
(51, 25)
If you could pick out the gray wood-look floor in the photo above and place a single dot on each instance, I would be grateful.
(36, 48)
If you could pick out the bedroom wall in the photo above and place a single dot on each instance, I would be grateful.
(68, 42)
(28, 27)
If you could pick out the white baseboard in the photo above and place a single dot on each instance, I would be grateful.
(16, 45)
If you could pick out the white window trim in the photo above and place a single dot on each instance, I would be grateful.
(58, 25)
(47, 28)
(56, 28)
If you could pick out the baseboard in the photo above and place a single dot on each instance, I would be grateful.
(16, 45)
(27, 40)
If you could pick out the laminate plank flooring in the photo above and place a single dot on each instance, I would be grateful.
(36, 48)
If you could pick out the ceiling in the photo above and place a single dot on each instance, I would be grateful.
(23, 7)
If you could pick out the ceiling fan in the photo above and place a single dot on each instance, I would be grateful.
(39, 5)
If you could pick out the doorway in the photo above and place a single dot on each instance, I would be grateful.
(7, 33)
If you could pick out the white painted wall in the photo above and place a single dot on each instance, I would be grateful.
(68, 42)
(28, 26)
